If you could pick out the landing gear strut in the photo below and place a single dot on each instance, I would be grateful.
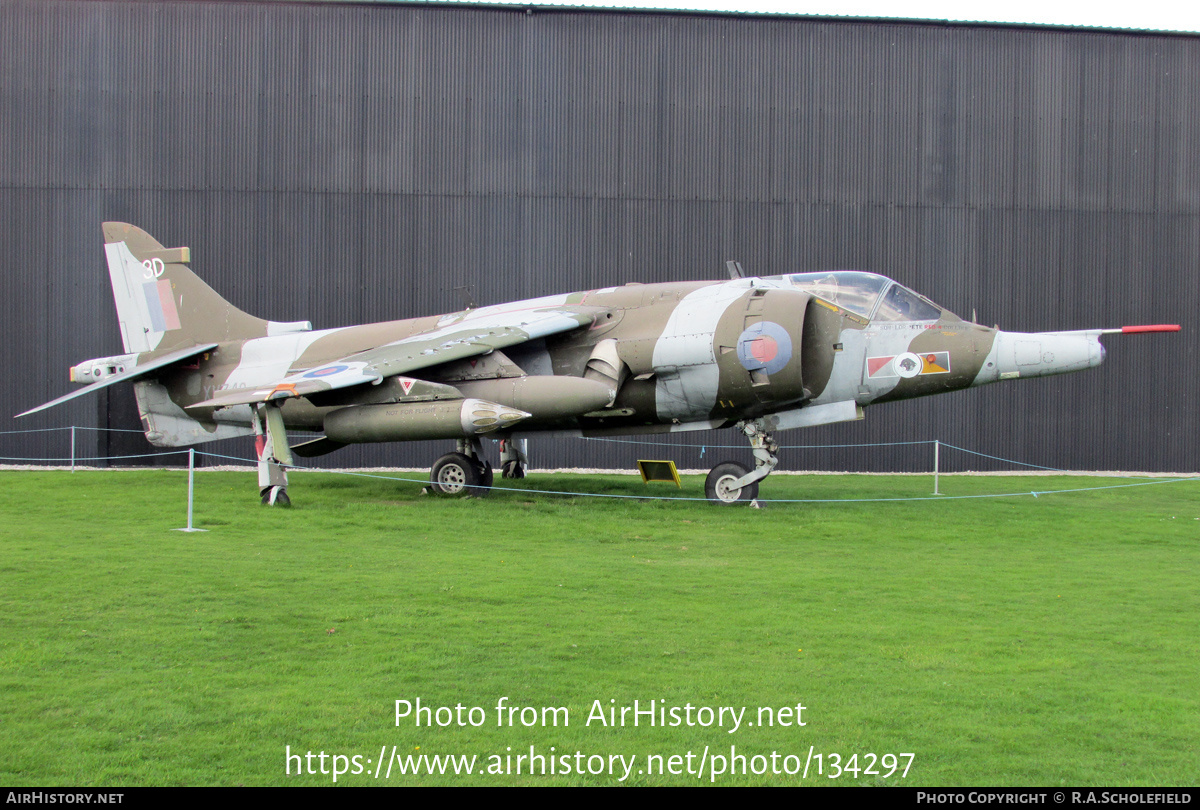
(464, 472)
(270, 440)
(730, 482)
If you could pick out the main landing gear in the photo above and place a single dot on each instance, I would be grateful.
(730, 482)
(467, 472)
(464, 472)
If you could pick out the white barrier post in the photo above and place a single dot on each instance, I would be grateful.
(191, 481)
(936, 446)
(72, 448)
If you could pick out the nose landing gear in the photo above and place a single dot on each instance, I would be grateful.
(730, 482)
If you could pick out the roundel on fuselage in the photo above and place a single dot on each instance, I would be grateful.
(765, 347)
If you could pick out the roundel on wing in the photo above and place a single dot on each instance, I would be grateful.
(765, 347)
(325, 371)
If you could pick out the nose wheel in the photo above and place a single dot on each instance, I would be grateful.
(721, 485)
(730, 482)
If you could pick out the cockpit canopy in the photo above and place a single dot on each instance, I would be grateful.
(870, 295)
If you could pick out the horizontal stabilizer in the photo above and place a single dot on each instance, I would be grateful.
(131, 374)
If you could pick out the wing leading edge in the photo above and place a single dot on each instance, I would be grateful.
(470, 337)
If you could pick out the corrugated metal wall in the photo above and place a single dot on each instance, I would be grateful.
(346, 164)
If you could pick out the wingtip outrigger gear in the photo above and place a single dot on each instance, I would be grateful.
(274, 455)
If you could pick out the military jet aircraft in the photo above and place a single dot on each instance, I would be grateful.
(758, 354)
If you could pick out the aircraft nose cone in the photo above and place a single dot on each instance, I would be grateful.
(1040, 354)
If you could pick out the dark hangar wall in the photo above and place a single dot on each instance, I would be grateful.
(349, 163)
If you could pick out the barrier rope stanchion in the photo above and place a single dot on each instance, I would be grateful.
(72, 448)
(191, 491)
(936, 446)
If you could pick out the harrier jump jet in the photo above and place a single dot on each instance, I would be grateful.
(757, 354)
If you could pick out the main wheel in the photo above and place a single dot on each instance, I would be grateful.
(718, 486)
(512, 469)
(457, 474)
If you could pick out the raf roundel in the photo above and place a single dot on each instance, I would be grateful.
(327, 371)
(765, 347)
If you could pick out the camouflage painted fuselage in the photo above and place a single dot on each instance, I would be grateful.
(785, 351)
(695, 355)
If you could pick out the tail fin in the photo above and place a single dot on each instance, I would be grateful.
(163, 306)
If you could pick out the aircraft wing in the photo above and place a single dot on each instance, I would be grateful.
(469, 337)
(133, 373)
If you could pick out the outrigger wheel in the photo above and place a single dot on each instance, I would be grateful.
(719, 486)
(275, 496)
(459, 474)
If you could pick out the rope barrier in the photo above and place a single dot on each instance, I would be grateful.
(1034, 493)
(34, 430)
(744, 447)
(1005, 460)
(423, 480)
(73, 427)
(96, 458)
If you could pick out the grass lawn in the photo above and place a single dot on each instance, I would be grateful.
(999, 641)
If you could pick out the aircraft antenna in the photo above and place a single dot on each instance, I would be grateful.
(467, 291)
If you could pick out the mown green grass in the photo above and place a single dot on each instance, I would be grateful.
(1006, 641)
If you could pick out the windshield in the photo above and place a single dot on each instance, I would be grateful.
(857, 292)
(902, 304)
(860, 293)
